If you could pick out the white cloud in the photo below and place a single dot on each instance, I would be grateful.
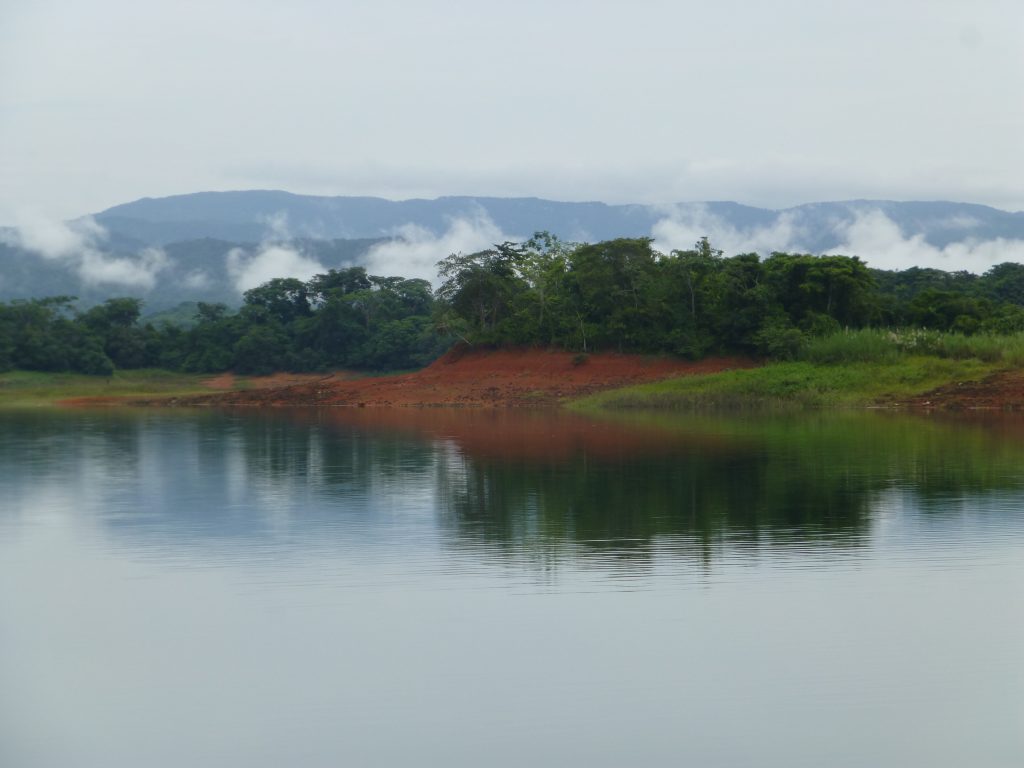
(274, 258)
(197, 279)
(270, 261)
(79, 244)
(97, 268)
(686, 224)
(415, 251)
(867, 233)
(877, 240)
(54, 239)
(277, 226)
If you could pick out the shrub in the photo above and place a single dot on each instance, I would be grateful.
(878, 345)
(863, 345)
(779, 341)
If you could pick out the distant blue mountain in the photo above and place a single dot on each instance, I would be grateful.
(196, 233)
(250, 215)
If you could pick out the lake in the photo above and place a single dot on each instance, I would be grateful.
(372, 587)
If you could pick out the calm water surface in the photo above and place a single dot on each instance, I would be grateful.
(449, 588)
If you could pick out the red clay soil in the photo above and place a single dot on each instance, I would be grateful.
(93, 401)
(476, 378)
(1001, 391)
(226, 381)
(220, 383)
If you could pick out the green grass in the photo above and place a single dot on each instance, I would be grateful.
(797, 384)
(27, 389)
(883, 345)
(848, 368)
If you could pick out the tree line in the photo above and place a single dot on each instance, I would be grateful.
(624, 295)
(341, 319)
(616, 295)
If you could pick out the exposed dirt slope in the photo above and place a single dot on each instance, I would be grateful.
(488, 378)
(1002, 391)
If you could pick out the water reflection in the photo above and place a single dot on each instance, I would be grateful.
(508, 589)
(542, 484)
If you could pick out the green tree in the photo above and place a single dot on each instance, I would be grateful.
(480, 290)
(336, 283)
(283, 299)
(613, 286)
(262, 349)
(47, 337)
(821, 293)
(542, 313)
(948, 311)
(689, 278)
(115, 324)
(1004, 283)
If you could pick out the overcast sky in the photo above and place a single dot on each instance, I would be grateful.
(766, 103)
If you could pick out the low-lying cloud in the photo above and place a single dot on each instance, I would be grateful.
(686, 224)
(197, 280)
(271, 260)
(877, 239)
(415, 250)
(275, 257)
(80, 245)
(140, 271)
(277, 226)
(867, 233)
(54, 239)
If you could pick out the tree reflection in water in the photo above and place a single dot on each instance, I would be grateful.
(537, 486)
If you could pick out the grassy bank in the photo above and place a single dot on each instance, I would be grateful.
(846, 369)
(29, 389)
(796, 384)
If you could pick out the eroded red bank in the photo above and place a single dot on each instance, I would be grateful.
(479, 378)
(999, 392)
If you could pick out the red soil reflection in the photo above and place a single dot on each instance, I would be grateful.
(520, 434)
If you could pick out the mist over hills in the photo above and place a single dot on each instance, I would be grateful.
(211, 246)
(246, 215)
(205, 269)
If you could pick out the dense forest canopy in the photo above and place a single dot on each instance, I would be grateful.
(616, 295)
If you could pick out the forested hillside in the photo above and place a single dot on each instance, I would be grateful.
(615, 295)
(623, 295)
(213, 246)
(205, 269)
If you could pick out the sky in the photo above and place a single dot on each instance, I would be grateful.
(769, 103)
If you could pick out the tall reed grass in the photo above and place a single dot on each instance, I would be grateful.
(885, 346)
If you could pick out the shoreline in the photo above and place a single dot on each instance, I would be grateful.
(484, 378)
(525, 378)
(921, 383)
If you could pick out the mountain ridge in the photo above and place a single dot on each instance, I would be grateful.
(211, 245)
(250, 215)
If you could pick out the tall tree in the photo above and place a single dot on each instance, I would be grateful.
(480, 289)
